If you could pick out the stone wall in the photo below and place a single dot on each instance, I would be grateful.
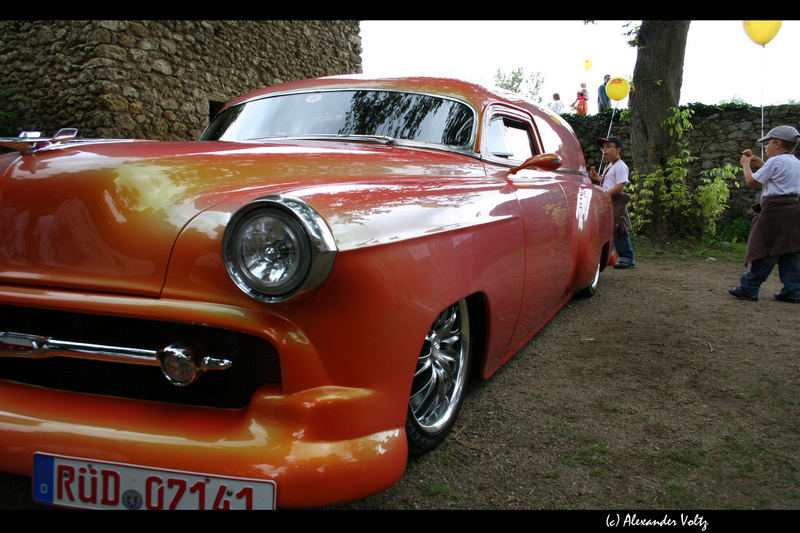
(158, 79)
(718, 137)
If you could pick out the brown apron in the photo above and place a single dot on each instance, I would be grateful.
(622, 222)
(775, 229)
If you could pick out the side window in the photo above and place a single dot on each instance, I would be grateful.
(509, 138)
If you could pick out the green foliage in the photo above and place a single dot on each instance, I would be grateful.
(517, 82)
(733, 229)
(632, 32)
(736, 100)
(664, 189)
(704, 110)
(678, 123)
(589, 127)
(688, 205)
(712, 196)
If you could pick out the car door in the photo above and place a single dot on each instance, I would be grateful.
(545, 217)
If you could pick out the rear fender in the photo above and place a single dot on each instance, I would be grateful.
(593, 231)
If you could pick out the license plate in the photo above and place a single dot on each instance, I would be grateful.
(90, 484)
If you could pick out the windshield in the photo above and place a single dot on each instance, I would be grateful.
(403, 116)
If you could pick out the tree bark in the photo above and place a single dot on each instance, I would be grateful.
(657, 79)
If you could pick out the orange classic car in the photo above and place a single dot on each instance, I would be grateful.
(277, 314)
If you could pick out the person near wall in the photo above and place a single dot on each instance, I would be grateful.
(580, 105)
(557, 106)
(775, 230)
(583, 92)
(603, 101)
(613, 180)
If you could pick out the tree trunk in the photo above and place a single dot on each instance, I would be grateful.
(657, 79)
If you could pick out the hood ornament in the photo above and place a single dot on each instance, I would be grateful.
(30, 141)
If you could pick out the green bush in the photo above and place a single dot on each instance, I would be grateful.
(733, 229)
(689, 206)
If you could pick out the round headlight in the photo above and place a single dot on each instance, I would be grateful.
(269, 253)
(276, 247)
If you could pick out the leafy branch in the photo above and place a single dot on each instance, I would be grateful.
(528, 86)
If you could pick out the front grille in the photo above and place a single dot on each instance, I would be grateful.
(255, 361)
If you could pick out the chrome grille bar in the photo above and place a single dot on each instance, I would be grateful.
(39, 347)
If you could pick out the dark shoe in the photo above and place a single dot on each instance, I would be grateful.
(786, 298)
(624, 264)
(739, 293)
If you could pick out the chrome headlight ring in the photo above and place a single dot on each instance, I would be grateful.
(277, 247)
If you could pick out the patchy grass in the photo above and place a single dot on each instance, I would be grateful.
(688, 248)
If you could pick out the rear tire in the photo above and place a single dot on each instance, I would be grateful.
(437, 391)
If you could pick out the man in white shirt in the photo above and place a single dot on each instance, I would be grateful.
(613, 181)
(775, 230)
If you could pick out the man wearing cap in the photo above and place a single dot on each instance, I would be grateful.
(613, 181)
(775, 230)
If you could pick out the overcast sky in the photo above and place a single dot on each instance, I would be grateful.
(722, 63)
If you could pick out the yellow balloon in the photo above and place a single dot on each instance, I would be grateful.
(762, 31)
(587, 64)
(617, 88)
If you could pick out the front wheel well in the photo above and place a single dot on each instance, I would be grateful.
(478, 315)
(445, 368)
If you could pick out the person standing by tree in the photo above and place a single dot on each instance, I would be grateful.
(603, 101)
(613, 181)
(775, 230)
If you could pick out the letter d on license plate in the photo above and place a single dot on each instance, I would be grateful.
(90, 484)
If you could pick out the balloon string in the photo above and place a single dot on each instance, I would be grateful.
(613, 110)
(761, 77)
(602, 155)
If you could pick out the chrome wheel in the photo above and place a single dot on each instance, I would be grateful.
(440, 378)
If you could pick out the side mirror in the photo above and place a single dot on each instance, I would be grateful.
(541, 161)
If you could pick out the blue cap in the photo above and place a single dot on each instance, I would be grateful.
(614, 140)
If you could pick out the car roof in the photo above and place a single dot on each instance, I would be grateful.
(476, 95)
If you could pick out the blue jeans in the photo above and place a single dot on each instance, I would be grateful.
(622, 243)
(760, 269)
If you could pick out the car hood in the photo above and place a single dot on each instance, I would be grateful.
(104, 216)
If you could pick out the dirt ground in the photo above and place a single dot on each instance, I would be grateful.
(660, 392)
